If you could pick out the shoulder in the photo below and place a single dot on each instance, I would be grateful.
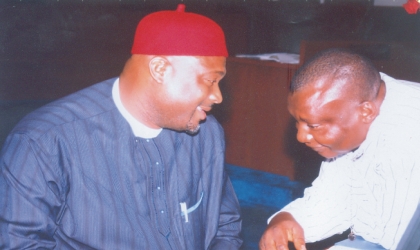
(400, 86)
(400, 106)
(80, 105)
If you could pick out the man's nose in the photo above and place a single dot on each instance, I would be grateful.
(303, 135)
(216, 95)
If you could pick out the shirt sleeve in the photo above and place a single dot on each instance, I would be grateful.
(30, 200)
(323, 210)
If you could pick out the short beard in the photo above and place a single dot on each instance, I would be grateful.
(191, 129)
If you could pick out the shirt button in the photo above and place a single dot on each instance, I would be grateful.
(157, 163)
(147, 140)
(161, 211)
(158, 188)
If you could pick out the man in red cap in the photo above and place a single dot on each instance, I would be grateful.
(130, 163)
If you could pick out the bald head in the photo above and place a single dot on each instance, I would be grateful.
(351, 71)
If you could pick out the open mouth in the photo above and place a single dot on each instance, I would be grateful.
(202, 112)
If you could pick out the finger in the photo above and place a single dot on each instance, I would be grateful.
(269, 242)
(266, 244)
(281, 243)
(282, 247)
(298, 239)
(299, 244)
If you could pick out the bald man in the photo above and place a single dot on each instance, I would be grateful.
(133, 162)
(365, 124)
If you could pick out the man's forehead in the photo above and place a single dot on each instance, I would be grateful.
(321, 93)
(216, 63)
(326, 89)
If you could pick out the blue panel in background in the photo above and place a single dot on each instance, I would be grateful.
(260, 194)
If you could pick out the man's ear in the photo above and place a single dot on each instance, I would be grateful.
(368, 111)
(158, 66)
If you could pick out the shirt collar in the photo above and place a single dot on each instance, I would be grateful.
(138, 128)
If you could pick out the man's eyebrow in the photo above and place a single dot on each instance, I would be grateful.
(218, 72)
(306, 121)
(221, 73)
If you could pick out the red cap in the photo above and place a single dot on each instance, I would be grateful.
(178, 33)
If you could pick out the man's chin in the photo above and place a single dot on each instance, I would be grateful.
(192, 129)
(325, 152)
(330, 154)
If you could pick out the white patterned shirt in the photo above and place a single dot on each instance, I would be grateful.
(376, 188)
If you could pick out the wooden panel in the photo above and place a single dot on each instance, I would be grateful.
(254, 114)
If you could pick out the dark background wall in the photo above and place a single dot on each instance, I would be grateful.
(74, 43)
